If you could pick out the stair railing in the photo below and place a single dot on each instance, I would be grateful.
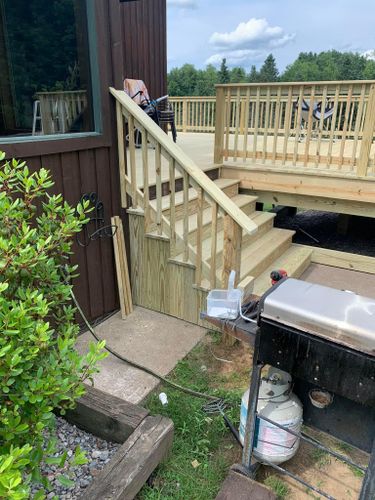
(173, 172)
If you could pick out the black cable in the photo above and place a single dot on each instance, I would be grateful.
(178, 387)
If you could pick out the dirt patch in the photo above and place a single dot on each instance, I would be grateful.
(229, 366)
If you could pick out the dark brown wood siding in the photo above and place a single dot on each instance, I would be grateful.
(145, 44)
(131, 42)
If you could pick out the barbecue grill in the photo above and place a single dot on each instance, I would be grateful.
(325, 338)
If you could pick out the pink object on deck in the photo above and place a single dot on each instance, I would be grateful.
(137, 90)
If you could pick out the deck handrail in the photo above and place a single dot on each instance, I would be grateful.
(288, 84)
(281, 124)
(235, 220)
(188, 165)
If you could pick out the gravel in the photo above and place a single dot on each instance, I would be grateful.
(98, 453)
(359, 239)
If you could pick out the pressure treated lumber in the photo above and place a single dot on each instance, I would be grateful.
(295, 261)
(134, 462)
(343, 260)
(106, 416)
(122, 271)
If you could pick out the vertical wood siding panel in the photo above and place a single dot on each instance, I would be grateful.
(73, 193)
(93, 251)
(53, 164)
(107, 268)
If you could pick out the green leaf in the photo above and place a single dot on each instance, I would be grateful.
(63, 458)
(65, 481)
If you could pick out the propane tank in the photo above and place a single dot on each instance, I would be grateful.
(277, 403)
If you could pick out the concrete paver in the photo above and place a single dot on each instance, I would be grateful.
(149, 338)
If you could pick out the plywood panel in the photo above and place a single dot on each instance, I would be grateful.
(182, 295)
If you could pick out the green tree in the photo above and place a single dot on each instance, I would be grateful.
(223, 75)
(253, 75)
(182, 81)
(206, 81)
(237, 75)
(330, 65)
(269, 72)
(369, 70)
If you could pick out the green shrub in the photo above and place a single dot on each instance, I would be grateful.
(40, 371)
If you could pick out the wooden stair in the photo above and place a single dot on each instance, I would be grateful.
(268, 249)
(190, 226)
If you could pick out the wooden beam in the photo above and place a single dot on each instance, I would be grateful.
(219, 125)
(368, 134)
(231, 250)
(231, 258)
(134, 462)
(106, 416)
(121, 154)
(339, 187)
(343, 260)
(315, 203)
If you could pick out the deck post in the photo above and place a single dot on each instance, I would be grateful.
(184, 114)
(219, 125)
(231, 258)
(368, 134)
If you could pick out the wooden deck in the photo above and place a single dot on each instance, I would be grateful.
(339, 191)
(188, 230)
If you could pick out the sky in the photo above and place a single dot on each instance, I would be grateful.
(246, 31)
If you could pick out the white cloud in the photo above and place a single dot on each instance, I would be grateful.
(369, 54)
(254, 33)
(183, 4)
(236, 57)
(250, 41)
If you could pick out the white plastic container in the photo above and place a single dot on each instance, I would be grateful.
(278, 404)
(225, 304)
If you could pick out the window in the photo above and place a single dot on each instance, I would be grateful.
(45, 85)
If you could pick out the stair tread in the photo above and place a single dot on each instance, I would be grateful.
(241, 200)
(258, 217)
(179, 196)
(256, 252)
(295, 260)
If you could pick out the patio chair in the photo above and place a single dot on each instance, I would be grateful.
(317, 113)
(160, 110)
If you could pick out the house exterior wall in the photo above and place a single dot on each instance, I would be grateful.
(131, 41)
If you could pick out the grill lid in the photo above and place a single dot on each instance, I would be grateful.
(339, 316)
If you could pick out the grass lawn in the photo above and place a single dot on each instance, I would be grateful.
(198, 437)
(203, 448)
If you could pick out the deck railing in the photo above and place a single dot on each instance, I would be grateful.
(170, 167)
(280, 124)
(59, 110)
(194, 114)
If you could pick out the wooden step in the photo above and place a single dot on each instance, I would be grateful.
(228, 186)
(257, 256)
(295, 261)
(264, 221)
(243, 201)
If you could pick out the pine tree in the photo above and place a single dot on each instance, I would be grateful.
(253, 75)
(269, 72)
(223, 74)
